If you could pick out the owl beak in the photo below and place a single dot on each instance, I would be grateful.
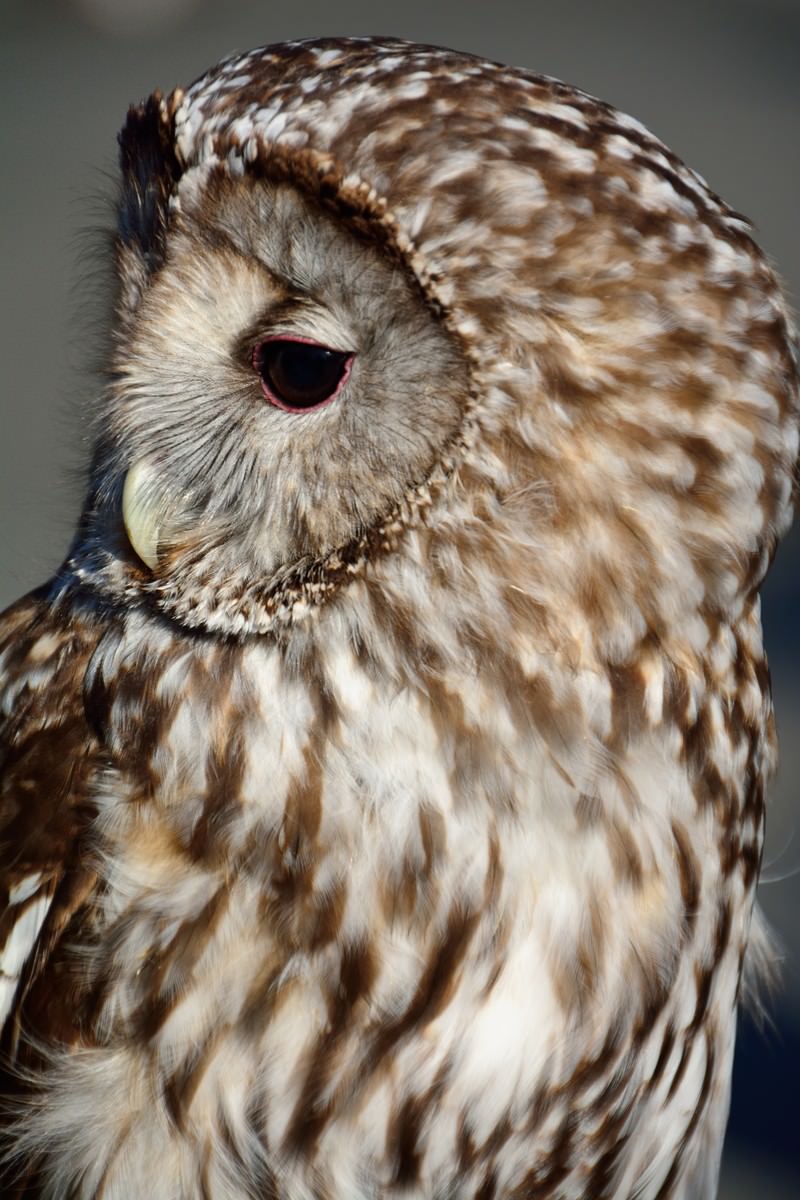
(141, 513)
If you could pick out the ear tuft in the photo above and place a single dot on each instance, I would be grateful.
(150, 171)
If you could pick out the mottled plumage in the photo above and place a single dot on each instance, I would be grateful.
(383, 777)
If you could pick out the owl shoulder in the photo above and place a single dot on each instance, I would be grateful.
(48, 757)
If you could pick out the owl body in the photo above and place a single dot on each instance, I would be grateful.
(384, 770)
(372, 979)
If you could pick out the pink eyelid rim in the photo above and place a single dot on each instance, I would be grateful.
(305, 341)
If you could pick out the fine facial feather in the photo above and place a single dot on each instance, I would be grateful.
(421, 762)
(233, 471)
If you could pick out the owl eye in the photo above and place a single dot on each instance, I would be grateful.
(298, 375)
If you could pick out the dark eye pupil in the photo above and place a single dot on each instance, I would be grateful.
(300, 374)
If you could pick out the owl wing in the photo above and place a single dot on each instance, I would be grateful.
(48, 755)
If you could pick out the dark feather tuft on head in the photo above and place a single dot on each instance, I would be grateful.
(150, 171)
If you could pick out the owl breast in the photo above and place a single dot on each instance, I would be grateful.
(366, 972)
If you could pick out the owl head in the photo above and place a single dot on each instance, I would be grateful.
(387, 310)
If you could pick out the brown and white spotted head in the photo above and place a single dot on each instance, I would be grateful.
(355, 272)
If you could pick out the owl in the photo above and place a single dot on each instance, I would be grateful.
(383, 772)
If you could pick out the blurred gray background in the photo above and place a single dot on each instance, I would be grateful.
(718, 80)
